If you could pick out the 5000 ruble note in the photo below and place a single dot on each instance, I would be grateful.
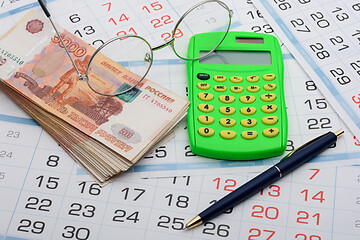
(35, 64)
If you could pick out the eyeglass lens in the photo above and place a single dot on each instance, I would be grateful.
(119, 65)
(207, 17)
(134, 54)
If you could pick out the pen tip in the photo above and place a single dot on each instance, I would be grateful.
(339, 133)
(196, 221)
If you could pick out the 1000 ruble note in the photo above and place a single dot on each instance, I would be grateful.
(37, 67)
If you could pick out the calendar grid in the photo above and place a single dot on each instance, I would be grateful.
(106, 207)
(62, 201)
(334, 209)
(97, 19)
(329, 88)
(242, 212)
(79, 208)
(288, 210)
(17, 201)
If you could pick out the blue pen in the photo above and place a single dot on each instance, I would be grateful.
(289, 163)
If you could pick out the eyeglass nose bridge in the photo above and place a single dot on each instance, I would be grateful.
(83, 78)
(164, 44)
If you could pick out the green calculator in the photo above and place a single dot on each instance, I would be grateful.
(237, 109)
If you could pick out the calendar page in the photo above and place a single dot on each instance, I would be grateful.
(324, 37)
(41, 200)
(45, 195)
(309, 113)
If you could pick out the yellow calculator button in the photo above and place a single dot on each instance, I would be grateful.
(206, 132)
(205, 96)
(269, 97)
(220, 88)
(248, 110)
(249, 134)
(236, 89)
(269, 77)
(203, 86)
(248, 122)
(270, 86)
(253, 88)
(247, 99)
(220, 78)
(226, 99)
(271, 120)
(227, 122)
(227, 110)
(206, 119)
(271, 108)
(252, 79)
(227, 134)
(206, 108)
(271, 132)
(236, 79)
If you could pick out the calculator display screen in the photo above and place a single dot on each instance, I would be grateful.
(237, 57)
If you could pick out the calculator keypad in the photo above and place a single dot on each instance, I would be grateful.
(237, 89)
(203, 76)
(206, 119)
(237, 103)
(227, 122)
(227, 110)
(271, 132)
(206, 108)
(219, 78)
(248, 110)
(227, 134)
(247, 99)
(206, 96)
(253, 89)
(206, 132)
(269, 97)
(220, 88)
(248, 122)
(269, 77)
(203, 86)
(270, 86)
(252, 79)
(271, 120)
(236, 79)
(249, 134)
(226, 99)
(271, 108)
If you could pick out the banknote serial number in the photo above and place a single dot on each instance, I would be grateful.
(11, 57)
(161, 105)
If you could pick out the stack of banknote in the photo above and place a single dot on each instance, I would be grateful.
(106, 135)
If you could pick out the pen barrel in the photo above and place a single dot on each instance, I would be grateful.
(241, 194)
(287, 165)
(306, 153)
(42, 5)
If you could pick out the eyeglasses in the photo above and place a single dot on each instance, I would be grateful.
(135, 54)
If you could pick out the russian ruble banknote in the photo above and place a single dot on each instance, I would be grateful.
(119, 130)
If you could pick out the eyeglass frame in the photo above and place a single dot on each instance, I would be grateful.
(167, 43)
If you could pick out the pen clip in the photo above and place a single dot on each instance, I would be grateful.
(304, 145)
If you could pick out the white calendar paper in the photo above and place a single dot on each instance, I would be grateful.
(324, 36)
(43, 201)
(45, 195)
(309, 113)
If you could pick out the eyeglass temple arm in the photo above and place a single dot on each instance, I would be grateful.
(47, 13)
